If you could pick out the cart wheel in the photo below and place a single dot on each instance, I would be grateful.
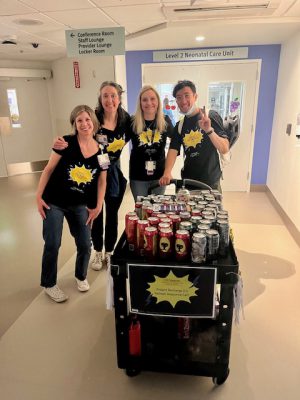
(132, 372)
(219, 380)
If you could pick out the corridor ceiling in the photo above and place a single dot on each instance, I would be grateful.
(149, 24)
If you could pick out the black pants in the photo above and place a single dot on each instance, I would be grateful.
(112, 205)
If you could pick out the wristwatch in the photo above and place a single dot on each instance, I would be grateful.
(210, 132)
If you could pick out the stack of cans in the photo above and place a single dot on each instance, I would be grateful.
(185, 228)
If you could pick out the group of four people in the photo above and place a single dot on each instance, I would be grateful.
(84, 170)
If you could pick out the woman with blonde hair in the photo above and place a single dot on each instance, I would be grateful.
(150, 131)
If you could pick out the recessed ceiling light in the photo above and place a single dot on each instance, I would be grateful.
(28, 22)
(200, 38)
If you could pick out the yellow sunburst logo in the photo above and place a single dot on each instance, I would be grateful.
(172, 289)
(116, 145)
(148, 136)
(192, 139)
(81, 175)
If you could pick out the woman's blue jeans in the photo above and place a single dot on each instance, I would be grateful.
(140, 188)
(76, 217)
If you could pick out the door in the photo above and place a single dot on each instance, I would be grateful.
(26, 103)
(229, 87)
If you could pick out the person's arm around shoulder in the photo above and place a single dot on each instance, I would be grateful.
(94, 212)
(47, 172)
(220, 143)
(60, 143)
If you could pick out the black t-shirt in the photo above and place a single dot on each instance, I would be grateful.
(74, 180)
(201, 157)
(114, 141)
(149, 145)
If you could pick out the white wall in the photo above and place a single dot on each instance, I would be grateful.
(284, 162)
(63, 94)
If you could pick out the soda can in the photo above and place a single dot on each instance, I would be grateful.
(145, 205)
(161, 215)
(180, 206)
(196, 212)
(199, 247)
(184, 328)
(182, 245)
(166, 220)
(217, 194)
(140, 232)
(165, 246)
(185, 215)
(129, 214)
(206, 212)
(138, 209)
(223, 229)
(175, 221)
(131, 232)
(207, 221)
(203, 228)
(150, 246)
(191, 204)
(149, 211)
(212, 220)
(218, 203)
(198, 197)
(186, 225)
(213, 239)
(153, 221)
(163, 225)
(223, 213)
(212, 209)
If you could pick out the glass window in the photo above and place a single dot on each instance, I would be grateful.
(13, 108)
(168, 102)
(226, 97)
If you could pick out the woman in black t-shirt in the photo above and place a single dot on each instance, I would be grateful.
(72, 186)
(150, 129)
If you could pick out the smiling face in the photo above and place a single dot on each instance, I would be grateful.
(149, 104)
(185, 99)
(84, 124)
(110, 99)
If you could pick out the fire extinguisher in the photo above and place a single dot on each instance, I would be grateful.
(135, 344)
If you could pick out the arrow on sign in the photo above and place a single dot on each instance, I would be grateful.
(72, 35)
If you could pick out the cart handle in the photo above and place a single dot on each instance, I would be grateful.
(181, 183)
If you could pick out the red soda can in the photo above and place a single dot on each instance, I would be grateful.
(166, 220)
(138, 209)
(141, 225)
(182, 245)
(175, 219)
(129, 214)
(196, 212)
(153, 221)
(131, 229)
(161, 215)
(163, 225)
(185, 215)
(150, 249)
(165, 246)
(184, 328)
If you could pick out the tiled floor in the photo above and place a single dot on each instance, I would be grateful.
(67, 351)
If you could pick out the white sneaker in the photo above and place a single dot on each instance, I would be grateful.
(97, 262)
(56, 294)
(107, 259)
(83, 286)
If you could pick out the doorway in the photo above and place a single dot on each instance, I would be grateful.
(230, 87)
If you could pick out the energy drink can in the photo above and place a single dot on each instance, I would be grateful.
(131, 232)
(223, 229)
(199, 247)
(140, 232)
(150, 247)
(213, 239)
(165, 243)
(182, 245)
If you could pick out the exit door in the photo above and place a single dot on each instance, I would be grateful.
(228, 87)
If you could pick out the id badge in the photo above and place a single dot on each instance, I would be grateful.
(101, 139)
(150, 167)
(103, 160)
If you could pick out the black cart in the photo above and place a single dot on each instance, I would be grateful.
(173, 316)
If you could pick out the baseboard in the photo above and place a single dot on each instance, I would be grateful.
(258, 188)
(286, 219)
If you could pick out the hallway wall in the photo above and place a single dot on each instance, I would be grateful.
(284, 165)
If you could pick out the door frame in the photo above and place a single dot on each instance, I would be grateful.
(256, 62)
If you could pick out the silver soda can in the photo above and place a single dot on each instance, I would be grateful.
(186, 225)
(199, 241)
(213, 239)
(223, 229)
(203, 228)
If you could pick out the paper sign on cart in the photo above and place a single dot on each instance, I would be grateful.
(176, 291)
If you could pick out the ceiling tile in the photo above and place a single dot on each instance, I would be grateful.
(82, 18)
(135, 13)
(59, 5)
(11, 7)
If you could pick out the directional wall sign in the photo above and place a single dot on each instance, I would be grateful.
(95, 42)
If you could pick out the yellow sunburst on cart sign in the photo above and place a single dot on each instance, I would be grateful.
(81, 175)
(116, 145)
(172, 289)
(192, 139)
(149, 137)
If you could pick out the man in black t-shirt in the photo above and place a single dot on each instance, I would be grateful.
(200, 137)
